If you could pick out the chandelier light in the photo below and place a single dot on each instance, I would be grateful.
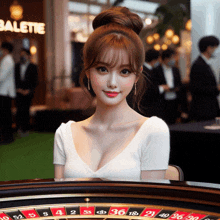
(33, 50)
(156, 36)
(168, 42)
(188, 25)
(150, 39)
(164, 47)
(175, 39)
(157, 47)
(169, 33)
(16, 11)
(148, 21)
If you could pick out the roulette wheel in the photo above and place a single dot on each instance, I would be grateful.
(108, 200)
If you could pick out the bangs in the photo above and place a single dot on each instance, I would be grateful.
(111, 52)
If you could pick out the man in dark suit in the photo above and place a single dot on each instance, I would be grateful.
(203, 86)
(149, 103)
(168, 79)
(26, 79)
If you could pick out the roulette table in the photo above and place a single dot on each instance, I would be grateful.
(108, 200)
(193, 148)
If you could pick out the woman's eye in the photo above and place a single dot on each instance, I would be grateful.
(125, 72)
(102, 69)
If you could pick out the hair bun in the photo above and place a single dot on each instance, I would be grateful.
(121, 16)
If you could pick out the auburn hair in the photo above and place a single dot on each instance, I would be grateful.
(116, 28)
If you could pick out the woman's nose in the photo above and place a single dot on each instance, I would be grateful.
(112, 80)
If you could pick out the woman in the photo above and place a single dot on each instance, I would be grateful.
(115, 142)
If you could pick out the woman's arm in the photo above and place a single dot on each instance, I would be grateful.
(58, 171)
(59, 156)
(153, 174)
(155, 153)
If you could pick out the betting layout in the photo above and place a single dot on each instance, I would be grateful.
(105, 211)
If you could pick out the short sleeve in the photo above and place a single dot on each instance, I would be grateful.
(59, 156)
(156, 149)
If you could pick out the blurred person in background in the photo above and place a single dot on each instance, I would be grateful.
(150, 100)
(7, 92)
(26, 78)
(203, 85)
(168, 79)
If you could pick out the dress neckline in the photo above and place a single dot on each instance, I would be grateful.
(109, 162)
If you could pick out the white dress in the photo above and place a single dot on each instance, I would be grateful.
(148, 150)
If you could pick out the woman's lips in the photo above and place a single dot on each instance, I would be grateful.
(111, 94)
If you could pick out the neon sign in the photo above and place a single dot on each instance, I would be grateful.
(22, 27)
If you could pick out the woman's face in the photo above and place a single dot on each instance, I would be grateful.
(112, 84)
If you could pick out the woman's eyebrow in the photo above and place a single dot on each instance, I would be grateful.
(125, 65)
(103, 63)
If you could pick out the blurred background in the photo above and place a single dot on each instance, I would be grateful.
(65, 25)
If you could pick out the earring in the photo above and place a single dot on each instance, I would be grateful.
(88, 84)
(135, 88)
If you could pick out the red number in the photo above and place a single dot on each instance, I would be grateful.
(118, 210)
(3, 216)
(194, 216)
(30, 213)
(87, 210)
(179, 215)
(150, 213)
(58, 211)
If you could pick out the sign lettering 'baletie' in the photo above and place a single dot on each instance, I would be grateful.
(22, 27)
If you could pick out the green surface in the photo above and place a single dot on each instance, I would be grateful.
(27, 158)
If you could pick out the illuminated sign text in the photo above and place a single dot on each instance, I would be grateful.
(22, 27)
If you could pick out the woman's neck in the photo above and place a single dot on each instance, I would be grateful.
(107, 116)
